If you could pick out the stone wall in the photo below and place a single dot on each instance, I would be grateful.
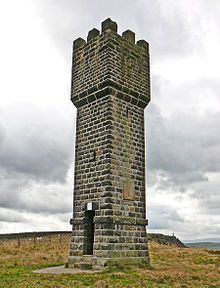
(110, 60)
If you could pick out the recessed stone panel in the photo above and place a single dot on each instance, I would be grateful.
(128, 190)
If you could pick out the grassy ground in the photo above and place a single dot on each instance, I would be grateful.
(171, 267)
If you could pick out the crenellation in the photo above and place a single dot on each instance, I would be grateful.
(143, 44)
(78, 43)
(118, 68)
(109, 25)
(129, 36)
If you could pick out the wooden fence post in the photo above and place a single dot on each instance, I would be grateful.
(34, 239)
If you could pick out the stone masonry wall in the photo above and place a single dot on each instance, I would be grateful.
(111, 60)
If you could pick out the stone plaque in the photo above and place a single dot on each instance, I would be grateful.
(128, 190)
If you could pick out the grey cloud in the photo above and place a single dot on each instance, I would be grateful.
(183, 147)
(20, 192)
(163, 217)
(38, 147)
(208, 196)
(49, 204)
(28, 196)
(10, 187)
(180, 147)
(2, 134)
(168, 33)
(167, 219)
(13, 221)
(12, 217)
(35, 157)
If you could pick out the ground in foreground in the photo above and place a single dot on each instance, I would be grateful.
(171, 267)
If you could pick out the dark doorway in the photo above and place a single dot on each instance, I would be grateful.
(88, 233)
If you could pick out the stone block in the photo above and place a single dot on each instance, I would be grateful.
(129, 36)
(144, 44)
(109, 25)
(92, 34)
(78, 43)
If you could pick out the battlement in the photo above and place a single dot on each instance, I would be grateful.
(110, 26)
(109, 63)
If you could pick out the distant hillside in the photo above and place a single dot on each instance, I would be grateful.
(215, 240)
(208, 245)
(165, 240)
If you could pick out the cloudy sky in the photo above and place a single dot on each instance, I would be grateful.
(37, 119)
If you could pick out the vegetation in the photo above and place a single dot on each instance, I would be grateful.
(171, 267)
(165, 239)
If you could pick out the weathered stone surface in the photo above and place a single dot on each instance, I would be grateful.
(128, 190)
(143, 43)
(78, 43)
(110, 88)
(108, 24)
(110, 61)
(92, 34)
(129, 36)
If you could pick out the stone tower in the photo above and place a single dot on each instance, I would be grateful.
(110, 89)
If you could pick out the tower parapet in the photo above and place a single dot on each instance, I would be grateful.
(110, 60)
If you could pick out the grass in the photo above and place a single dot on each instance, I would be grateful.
(171, 267)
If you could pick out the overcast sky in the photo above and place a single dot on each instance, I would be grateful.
(37, 119)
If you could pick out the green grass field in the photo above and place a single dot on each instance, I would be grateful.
(171, 267)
